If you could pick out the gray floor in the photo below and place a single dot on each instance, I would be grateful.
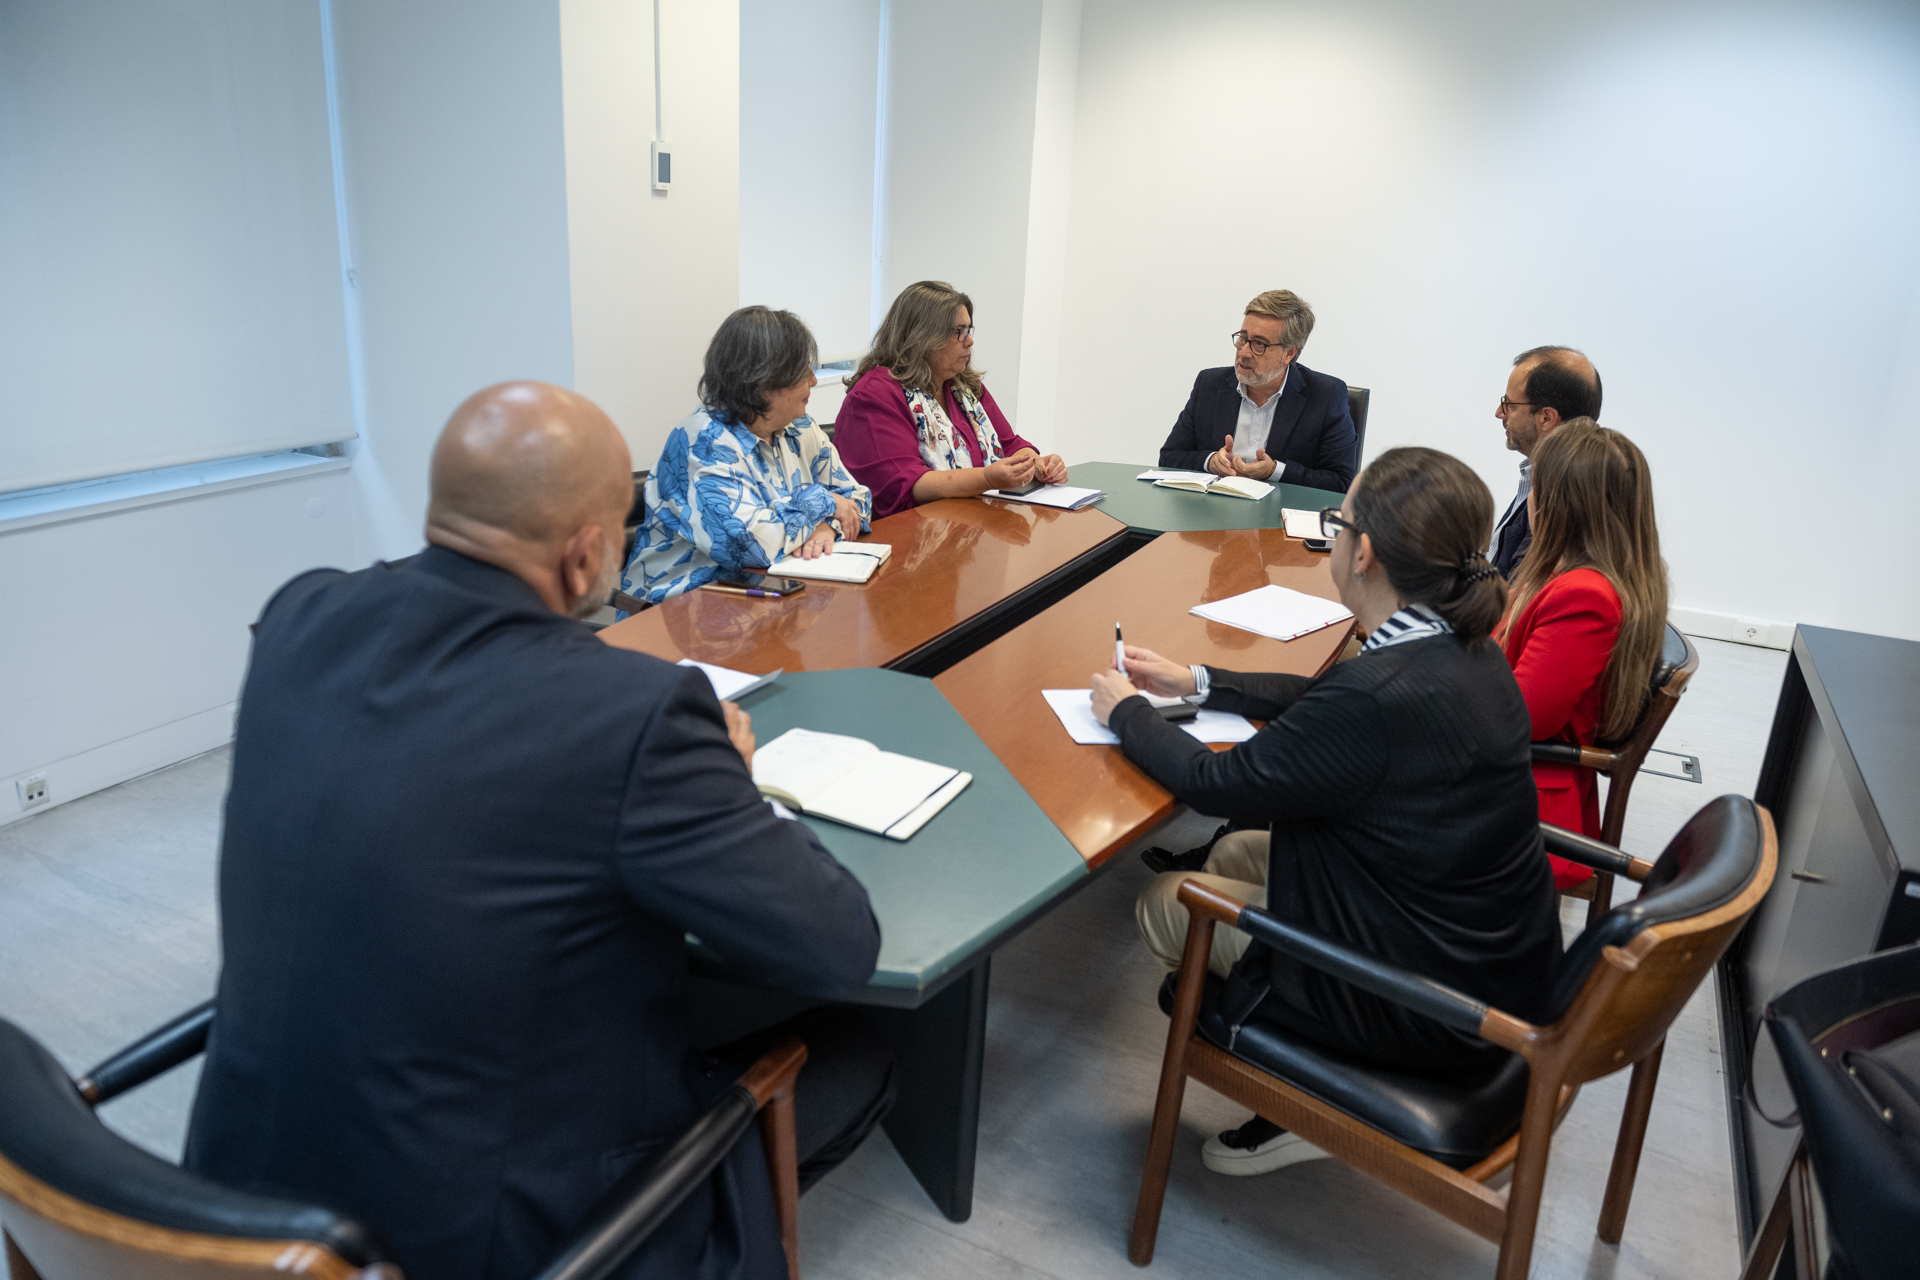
(108, 926)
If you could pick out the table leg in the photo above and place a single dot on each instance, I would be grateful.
(938, 1050)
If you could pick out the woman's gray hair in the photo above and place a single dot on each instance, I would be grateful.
(756, 350)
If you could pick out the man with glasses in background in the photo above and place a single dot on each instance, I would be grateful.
(1266, 415)
(1548, 386)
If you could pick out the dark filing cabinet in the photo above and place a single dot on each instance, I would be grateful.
(1842, 778)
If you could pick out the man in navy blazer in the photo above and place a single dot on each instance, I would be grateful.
(465, 842)
(1266, 415)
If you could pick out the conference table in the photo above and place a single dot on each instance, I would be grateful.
(995, 601)
(962, 571)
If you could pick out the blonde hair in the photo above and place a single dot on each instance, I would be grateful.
(1593, 509)
(1291, 310)
(919, 323)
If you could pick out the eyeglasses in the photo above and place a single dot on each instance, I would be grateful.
(1332, 522)
(961, 332)
(1506, 404)
(1259, 346)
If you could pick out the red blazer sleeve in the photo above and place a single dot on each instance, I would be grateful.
(1559, 648)
(875, 435)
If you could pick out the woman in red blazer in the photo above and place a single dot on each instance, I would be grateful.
(1589, 605)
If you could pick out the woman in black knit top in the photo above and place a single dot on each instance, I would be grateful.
(1398, 785)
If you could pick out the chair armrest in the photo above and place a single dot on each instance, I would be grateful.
(1580, 757)
(1589, 852)
(636, 1205)
(158, 1051)
(1423, 995)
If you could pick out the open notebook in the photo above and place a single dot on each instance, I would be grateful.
(1064, 496)
(851, 781)
(1202, 482)
(847, 562)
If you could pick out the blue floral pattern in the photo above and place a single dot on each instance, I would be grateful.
(721, 500)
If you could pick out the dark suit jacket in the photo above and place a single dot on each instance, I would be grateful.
(1511, 542)
(1400, 790)
(464, 843)
(1312, 428)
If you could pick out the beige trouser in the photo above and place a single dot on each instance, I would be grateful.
(1237, 867)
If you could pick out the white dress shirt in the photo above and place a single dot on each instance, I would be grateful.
(1256, 420)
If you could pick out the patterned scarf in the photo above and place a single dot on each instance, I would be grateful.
(939, 446)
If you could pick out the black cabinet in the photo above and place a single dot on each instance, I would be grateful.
(1842, 778)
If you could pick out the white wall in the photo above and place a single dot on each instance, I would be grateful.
(457, 200)
(1716, 203)
(960, 134)
(131, 627)
(653, 273)
(808, 92)
(126, 634)
(1049, 190)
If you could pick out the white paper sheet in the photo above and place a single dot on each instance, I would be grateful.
(1278, 612)
(1064, 496)
(883, 789)
(804, 764)
(1175, 475)
(729, 684)
(1075, 709)
(1302, 524)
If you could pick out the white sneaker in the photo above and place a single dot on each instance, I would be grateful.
(1245, 1162)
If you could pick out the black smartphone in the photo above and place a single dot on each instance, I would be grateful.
(1023, 490)
(756, 584)
(1318, 544)
(1179, 712)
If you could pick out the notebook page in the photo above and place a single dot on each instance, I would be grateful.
(728, 683)
(805, 764)
(1278, 612)
(1302, 524)
(1066, 497)
(1075, 709)
(835, 566)
(881, 789)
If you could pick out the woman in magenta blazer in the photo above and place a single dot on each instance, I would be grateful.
(1588, 608)
(918, 423)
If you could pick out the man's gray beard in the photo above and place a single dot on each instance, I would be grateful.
(591, 603)
(1247, 379)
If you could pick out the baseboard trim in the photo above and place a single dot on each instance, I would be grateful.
(1726, 626)
(117, 762)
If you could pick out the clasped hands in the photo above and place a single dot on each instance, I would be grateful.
(821, 541)
(1147, 672)
(1225, 462)
(1021, 468)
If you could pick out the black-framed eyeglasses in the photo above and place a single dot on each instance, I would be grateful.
(1332, 522)
(1259, 346)
(1506, 404)
(961, 332)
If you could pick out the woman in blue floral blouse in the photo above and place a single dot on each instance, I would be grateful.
(747, 477)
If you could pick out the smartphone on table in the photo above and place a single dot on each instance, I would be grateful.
(760, 585)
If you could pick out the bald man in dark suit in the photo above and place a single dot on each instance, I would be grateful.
(464, 846)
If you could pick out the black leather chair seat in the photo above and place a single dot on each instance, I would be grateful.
(1459, 1121)
(49, 1132)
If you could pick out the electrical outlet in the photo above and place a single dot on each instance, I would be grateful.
(33, 791)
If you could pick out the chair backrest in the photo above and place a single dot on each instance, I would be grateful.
(1357, 398)
(1624, 980)
(82, 1203)
(1849, 1044)
(1671, 674)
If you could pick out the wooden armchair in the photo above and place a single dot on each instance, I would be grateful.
(1441, 1140)
(1621, 762)
(78, 1202)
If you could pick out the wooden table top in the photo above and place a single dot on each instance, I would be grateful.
(1097, 797)
(951, 561)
